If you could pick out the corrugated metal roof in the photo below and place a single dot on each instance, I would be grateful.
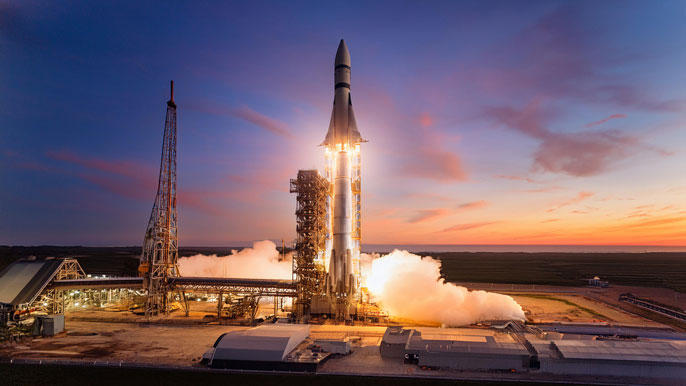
(674, 352)
(465, 343)
(263, 343)
(23, 280)
(396, 335)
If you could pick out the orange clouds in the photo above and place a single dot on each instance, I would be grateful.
(473, 205)
(600, 122)
(427, 214)
(425, 120)
(437, 164)
(579, 197)
(464, 227)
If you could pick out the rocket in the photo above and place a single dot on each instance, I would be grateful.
(342, 144)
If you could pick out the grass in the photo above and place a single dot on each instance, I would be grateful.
(659, 269)
(565, 301)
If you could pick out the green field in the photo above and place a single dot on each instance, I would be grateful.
(656, 269)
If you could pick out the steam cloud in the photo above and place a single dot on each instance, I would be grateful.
(409, 286)
(405, 284)
(261, 261)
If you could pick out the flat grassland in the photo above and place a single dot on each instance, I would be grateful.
(658, 269)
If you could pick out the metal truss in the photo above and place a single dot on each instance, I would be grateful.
(309, 271)
(159, 258)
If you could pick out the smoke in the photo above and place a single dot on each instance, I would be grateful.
(262, 261)
(409, 286)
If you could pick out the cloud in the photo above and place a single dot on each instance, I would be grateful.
(425, 120)
(473, 205)
(423, 215)
(126, 178)
(600, 122)
(571, 59)
(263, 121)
(570, 68)
(427, 215)
(474, 225)
(133, 180)
(542, 190)
(583, 154)
(244, 113)
(650, 223)
(518, 178)
(577, 199)
(578, 154)
(436, 164)
(429, 196)
(127, 168)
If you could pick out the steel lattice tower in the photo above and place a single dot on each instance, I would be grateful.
(159, 259)
(308, 264)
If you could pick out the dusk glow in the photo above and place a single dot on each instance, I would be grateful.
(529, 122)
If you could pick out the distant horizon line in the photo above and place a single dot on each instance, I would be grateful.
(242, 244)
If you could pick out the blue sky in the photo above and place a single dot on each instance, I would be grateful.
(489, 122)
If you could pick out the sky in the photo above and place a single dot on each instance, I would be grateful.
(489, 122)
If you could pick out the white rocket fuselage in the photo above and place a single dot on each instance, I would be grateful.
(342, 145)
(341, 256)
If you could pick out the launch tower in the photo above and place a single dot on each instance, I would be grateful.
(159, 258)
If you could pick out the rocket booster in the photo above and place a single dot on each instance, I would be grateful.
(342, 147)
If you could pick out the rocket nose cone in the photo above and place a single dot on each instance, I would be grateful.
(342, 55)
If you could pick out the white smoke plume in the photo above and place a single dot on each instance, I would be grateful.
(409, 286)
(262, 261)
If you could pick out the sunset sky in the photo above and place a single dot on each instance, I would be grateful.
(514, 122)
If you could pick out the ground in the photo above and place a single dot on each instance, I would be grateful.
(121, 339)
(551, 308)
(180, 340)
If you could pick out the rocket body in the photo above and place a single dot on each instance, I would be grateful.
(343, 206)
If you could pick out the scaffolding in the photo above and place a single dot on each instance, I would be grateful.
(311, 225)
(159, 258)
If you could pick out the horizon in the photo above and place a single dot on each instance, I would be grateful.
(441, 248)
(535, 123)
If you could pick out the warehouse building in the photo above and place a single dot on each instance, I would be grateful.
(394, 342)
(488, 351)
(266, 347)
(453, 348)
(646, 359)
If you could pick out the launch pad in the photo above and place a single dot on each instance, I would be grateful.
(326, 292)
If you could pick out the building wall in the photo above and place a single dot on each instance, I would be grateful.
(454, 360)
(614, 368)
(392, 350)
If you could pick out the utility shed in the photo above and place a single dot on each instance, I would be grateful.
(263, 347)
(459, 351)
(647, 359)
(394, 341)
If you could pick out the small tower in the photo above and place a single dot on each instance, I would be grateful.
(159, 258)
